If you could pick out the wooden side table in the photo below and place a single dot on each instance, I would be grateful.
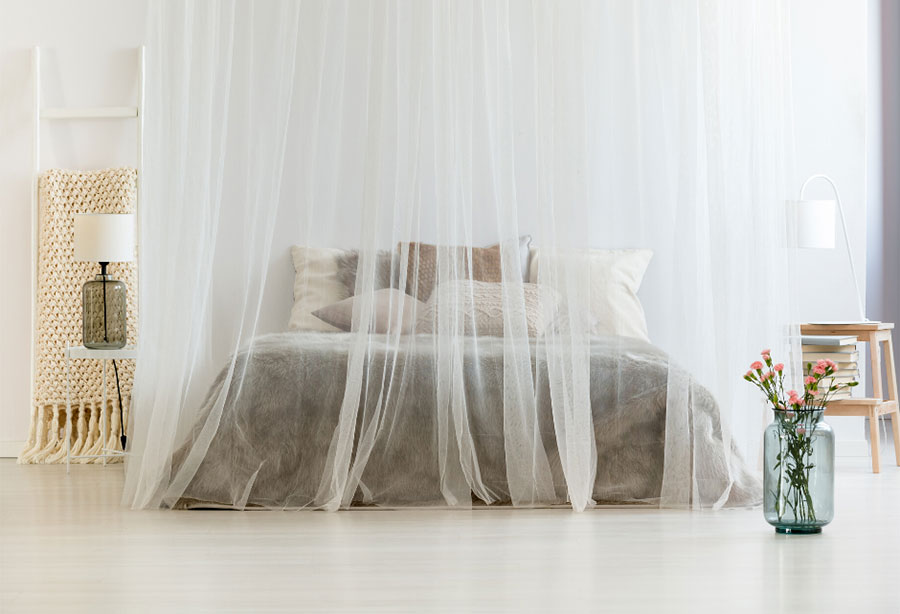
(878, 336)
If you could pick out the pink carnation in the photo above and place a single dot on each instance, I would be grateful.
(821, 362)
(809, 380)
(831, 364)
(819, 369)
(792, 394)
(748, 374)
(765, 353)
(756, 366)
(801, 430)
(779, 367)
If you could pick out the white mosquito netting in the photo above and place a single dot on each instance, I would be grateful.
(435, 253)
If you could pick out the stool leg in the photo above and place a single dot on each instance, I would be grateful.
(877, 392)
(891, 375)
(876, 446)
(895, 426)
(875, 356)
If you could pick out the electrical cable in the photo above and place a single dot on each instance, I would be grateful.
(122, 437)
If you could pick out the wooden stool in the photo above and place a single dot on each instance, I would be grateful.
(878, 336)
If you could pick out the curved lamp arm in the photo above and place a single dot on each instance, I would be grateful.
(862, 311)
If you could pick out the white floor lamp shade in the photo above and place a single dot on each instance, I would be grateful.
(815, 224)
(816, 228)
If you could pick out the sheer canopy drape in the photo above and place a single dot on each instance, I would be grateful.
(425, 139)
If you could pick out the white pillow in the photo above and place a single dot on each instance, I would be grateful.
(316, 285)
(616, 276)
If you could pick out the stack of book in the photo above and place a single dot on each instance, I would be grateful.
(842, 350)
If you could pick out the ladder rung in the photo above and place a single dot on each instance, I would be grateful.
(88, 112)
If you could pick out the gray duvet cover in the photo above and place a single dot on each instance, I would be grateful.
(272, 442)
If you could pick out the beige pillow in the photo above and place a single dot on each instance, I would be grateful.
(422, 261)
(616, 276)
(316, 285)
(422, 268)
(392, 311)
(478, 308)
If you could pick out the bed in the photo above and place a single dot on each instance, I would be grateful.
(274, 439)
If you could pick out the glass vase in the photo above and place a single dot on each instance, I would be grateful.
(104, 315)
(799, 471)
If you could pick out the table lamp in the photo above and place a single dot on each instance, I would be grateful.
(104, 238)
(815, 228)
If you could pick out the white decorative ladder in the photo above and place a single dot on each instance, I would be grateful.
(39, 114)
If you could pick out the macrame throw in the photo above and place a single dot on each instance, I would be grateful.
(60, 278)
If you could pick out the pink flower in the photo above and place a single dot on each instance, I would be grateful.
(779, 367)
(756, 366)
(831, 364)
(790, 414)
(766, 353)
(748, 374)
(801, 430)
(809, 380)
(819, 369)
(821, 362)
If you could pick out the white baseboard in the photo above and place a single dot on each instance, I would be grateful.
(11, 449)
(851, 447)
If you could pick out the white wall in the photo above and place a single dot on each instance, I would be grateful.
(829, 78)
(89, 60)
(830, 57)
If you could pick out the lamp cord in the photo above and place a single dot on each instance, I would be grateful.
(122, 437)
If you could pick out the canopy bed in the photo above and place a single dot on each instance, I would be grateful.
(458, 253)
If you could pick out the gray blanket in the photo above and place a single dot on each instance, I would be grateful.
(271, 444)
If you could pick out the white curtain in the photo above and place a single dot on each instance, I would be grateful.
(367, 126)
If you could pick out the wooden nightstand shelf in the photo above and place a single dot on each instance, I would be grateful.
(878, 336)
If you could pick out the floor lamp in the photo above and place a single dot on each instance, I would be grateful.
(815, 228)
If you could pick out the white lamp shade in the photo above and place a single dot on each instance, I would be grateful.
(815, 224)
(104, 237)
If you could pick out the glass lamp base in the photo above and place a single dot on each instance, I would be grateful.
(104, 315)
(798, 530)
(104, 346)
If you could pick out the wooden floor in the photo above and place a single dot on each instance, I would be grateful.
(68, 546)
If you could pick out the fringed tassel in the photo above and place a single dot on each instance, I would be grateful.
(95, 430)
(57, 445)
(80, 444)
(31, 445)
